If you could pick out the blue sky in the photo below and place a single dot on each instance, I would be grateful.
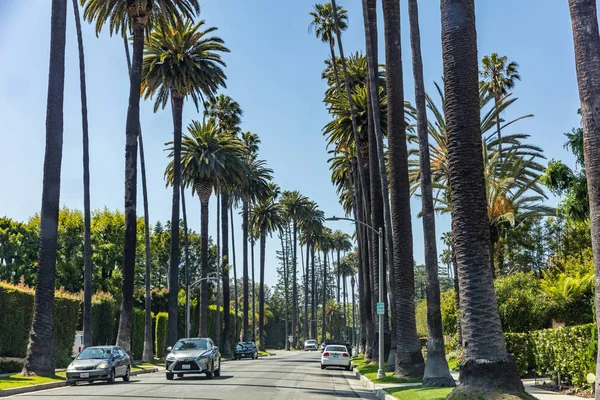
(273, 71)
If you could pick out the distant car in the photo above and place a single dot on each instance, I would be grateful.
(311, 345)
(193, 356)
(322, 347)
(338, 342)
(245, 350)
(336, 356)
(100, 363)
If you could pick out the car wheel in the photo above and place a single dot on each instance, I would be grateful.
(210, 374)
(127, 375)
(180, 375)
(71, 383)
(322, 366)
(349, 368)
(111, 378)
(218, 371)
(169, 376)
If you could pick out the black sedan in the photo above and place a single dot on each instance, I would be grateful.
(245, 350)
(100, 363)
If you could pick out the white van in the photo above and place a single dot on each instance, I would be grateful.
(78, 344)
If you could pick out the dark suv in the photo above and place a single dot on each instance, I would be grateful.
(245, 349)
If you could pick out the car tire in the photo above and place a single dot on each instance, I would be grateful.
(127, 375)
(349, 368)
(218, 371)
(169, 376)
(322, 366)
(111, 378)
(210, 374)
(71, 383)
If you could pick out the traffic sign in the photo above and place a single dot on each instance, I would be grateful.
(357, 331)
(380, 308)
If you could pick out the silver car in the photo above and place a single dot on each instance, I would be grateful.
(100, 363)
(193, 356)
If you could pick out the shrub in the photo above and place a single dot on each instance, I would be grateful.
(449, 313)
(103, 318)
(138, 333)
(522, 349)
(520, 305)
(10, 366)
(66, 315)
(421, 318)
(162, 320)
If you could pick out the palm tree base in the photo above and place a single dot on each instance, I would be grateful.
(500, 376)
(475, 393)
(409, 364)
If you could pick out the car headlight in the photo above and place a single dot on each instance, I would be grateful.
(104, 365)
(71, 367)
(170, 357)
(202, 359)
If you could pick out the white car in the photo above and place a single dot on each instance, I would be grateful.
(336, 356)
(311, 345)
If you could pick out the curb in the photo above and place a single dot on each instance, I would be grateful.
(54, 385)
(380, 393)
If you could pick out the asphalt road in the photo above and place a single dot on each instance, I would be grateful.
(288, 376)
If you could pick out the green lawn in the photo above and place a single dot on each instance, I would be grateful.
(419, 393)
(370, 371)
(453, 364)
(264, 353)
(16, 380)
(142, 366)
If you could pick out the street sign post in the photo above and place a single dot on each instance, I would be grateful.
(380, 308)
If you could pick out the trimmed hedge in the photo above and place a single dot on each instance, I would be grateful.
(17, 304)
(104, 311)
(160, 344)
(570, 351)
(137, 333)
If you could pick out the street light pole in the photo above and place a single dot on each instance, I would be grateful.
(379, 232)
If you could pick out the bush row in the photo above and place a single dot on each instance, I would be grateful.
(17, 304)
(570, 352)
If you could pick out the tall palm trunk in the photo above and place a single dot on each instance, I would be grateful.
(148, 352)
(261, 292)
(436, 369)
(344, 304)
(132, 130)
(40, 352)
(338, 276)
(203, 306)
(285, 288)
(306, 278)
(87, 239)
(486, 363)
(295, 286)
(245, 266)
(587, 61)
(235, 282)
(219, 263)
(226, 292)
(177, 106)
(251, 228)
(323, 330)
(354, 338)
(186, 244)
(313, 305)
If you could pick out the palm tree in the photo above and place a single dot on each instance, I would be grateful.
(347, 269)
(207, 157)
(586, 40)
(254, 186)
(87, 240)
(227, 113)
(266, 216)
(148, 352)
(40, 352)
(486, 363)
(324, 244)
(296, 207)
(180, 60)
(499, 76)
(341, 243)
(436, 371)
(311, 227)
(135, 17)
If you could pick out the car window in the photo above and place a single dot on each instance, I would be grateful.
(336, 348)
(192, 344)
(94, 353)
(121, 352)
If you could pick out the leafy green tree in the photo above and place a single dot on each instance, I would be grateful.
(124, 16)
(18, 251)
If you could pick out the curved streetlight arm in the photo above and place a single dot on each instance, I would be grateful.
(334, 218)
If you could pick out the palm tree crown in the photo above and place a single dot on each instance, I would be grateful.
(181, 59)
(323, 23)
(226, 111)
(498, 75)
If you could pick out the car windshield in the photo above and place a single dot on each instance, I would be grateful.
(191, 344)
(95, 353)
(247, 345)
(336, 348)
(311, 342)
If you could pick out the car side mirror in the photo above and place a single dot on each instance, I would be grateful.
(216, 348)
(169, 348)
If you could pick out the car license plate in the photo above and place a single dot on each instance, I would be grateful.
(185, 366)
(84, 375)
(335, 355)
